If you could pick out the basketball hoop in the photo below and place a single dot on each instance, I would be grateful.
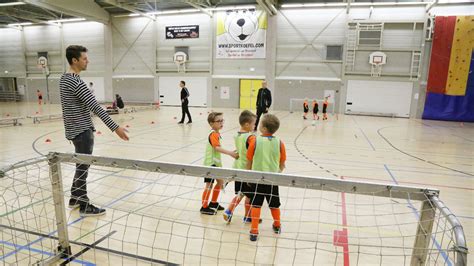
(180, 61)
(377, 59)
(43, 65)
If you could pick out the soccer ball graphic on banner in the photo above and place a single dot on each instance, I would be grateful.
(241, 24)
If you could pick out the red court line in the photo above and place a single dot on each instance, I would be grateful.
(408, 182)
(341, 237)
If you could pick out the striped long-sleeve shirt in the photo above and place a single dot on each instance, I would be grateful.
(77, 101)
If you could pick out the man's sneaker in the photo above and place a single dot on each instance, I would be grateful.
(91, 210)
(249, 220)
(73, 203)
(253, 237)
(208, 211)
(227, 216)
(180, 122)
(215, 205)
(189, 122)
(276, 229)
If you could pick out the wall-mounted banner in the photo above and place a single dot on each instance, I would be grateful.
(182, 32)
(241, 34)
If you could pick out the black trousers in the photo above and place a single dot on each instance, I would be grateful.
(83, 143)
(185, 111)
(260, 111)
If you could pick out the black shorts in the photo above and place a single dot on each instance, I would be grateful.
(324, 110)
(305, 110)
(258, 193)
(209, 180)
(40, 98)
(241, 187)
(315, 111)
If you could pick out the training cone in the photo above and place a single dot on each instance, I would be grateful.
(152, 122)
(37, 112)
(99, 133)
(174, 118)
(48, 141)
(8, 114)
(200, 113)
(127, 126)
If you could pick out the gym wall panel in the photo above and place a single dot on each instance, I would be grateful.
(170, 91)
(297, 55)
(233, 101)
(43, 39)
(402, 36)
(378, 13)
(11, 53)
(135, 89)
(199, 48)
(133, 46)
(300, 89)
(389, 98)
(440, 54)
(33, 84)
(92, 39)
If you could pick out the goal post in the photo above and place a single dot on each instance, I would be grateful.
(296, 105)
(153, 217)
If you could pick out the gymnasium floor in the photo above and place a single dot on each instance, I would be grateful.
(403, 151)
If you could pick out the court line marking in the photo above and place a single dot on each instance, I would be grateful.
(415, 212)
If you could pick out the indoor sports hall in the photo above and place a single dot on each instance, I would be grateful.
(125, 136)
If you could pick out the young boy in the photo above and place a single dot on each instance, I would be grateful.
(305, 108)
(213, 158)
(265, 153)
(315, 110)
(325, 107)
(247, 121)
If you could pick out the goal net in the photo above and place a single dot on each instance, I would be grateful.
(153, 218)
(296, 105)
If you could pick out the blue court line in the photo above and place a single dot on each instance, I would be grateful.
(415, 212)
(43, 252)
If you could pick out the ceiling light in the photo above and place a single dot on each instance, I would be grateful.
(20, 24)
(12, 4)
(224, 8)
(66, 20)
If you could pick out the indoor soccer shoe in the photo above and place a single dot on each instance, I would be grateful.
(215, 205)
(208, 211)
(91, 210)
(249, 220)
(227, 216)
(276, 229)
(253, 237)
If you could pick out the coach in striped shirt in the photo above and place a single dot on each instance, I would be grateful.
(77, 101)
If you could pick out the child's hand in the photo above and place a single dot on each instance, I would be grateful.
(234, 155)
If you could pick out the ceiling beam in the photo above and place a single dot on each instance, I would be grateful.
(200, 8)
(16, 13)
(129, 8)
(87, 9)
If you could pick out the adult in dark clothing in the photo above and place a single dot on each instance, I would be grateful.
(119, 101)
(184, 103)
(264, 101)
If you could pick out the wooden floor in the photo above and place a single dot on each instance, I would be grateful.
(374, 149)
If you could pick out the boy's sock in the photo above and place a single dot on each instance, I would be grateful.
(276, 216)
(205, 197)
(215, 193)
(247, 207)
(235, 201)
(255, 220)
